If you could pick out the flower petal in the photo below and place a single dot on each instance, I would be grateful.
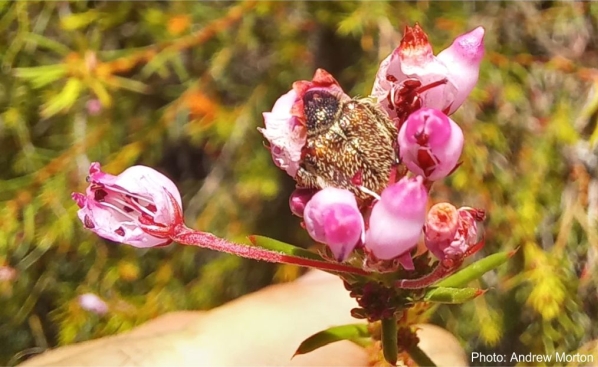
(397, 219)
(463, 58)
(430, 143)
(332, 217)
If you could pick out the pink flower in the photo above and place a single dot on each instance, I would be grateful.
(94, 107)
(299, 199)
(441, 223)
(411, 77)
(333, 218)
(285, 124)
(430, 143)
(7, 274)
(91, 302)
(463, 58)
(285, 134)
(117, 207)
(450, 233)
(397, 220)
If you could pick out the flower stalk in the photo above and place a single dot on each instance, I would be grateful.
(390, 348)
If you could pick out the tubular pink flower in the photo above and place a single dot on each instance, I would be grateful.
(333, 218)
(91, 302)
(411, 77)
(462, 223)
(285, 124)
(114, 206)
(463, 58)
(430, 143)
(397, 219)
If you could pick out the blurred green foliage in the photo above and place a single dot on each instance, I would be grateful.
(180, 86)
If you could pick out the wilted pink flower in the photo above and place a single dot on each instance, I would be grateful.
(285, 133)
(333, 218)
(115, 207)
(411, 77)
(299, 199)
(285, 124)
(450, 233)
(91, 302)
(430, 143)
(397, 220)
(441, 223)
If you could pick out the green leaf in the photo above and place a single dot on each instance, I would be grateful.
(75, 21)
(452, 295)
(63, 100)
(129, 84)
(352, 332)
(285, 248)
(100, 91)
(476, 270)
(42, 75)
(47, 43)
(420, 357)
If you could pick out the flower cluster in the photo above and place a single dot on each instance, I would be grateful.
(415, 91)
(364, 169)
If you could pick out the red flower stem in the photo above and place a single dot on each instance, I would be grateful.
(187, 236)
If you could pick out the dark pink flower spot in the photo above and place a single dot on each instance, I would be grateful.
(99, 195)
(88, 223)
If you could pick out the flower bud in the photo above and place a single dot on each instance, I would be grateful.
(463, 58)
(430, 144)
(299, 199)
(333, 218)
(397, 219)
(114, 207)
(412, 77)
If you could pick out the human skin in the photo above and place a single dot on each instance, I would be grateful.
(260, 329)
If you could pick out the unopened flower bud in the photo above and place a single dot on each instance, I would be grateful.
(299, 199)
(430, 144)
(397, 219)
(463, 58)
(333, 218)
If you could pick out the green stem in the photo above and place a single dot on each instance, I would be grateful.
(390, 348)
(420, 357)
